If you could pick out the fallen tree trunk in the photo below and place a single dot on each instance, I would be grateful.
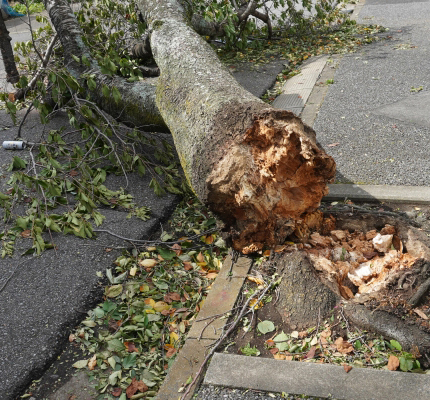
(256, 167)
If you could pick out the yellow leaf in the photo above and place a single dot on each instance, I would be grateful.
(174, 337)
(148, 263)
(200, 258)
(254, 302)
(92, 362)
(161, 306)
(150, 311)
(279, 356)
(133, 271)
(149, 302)
(258, 281)
(202, 264)
(151, 248)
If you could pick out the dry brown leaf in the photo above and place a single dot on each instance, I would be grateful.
(289, 358)
(393, 363)
(134, 386)
(279, 356)
(117, 392)
(326, 333)
(130, 346)
(72, 337)
(311, 353)
(26, 233)
(11, 97)
(420, 313)
(212, 275)
(201, 258)
(343, 346)
(177, 249)
(187, 266)
(73, 172)
(92, 362)
(275, 350)
(347, 368)
(171, 352)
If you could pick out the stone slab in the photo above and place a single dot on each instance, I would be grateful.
(320, 380)
(286, 101)
(206, 330)
(369, 193)
(308, 76)
(414, 109)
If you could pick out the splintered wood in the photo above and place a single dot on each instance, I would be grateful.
(353, 263)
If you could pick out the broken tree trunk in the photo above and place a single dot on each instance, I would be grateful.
(258, 168)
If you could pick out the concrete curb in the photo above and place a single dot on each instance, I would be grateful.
(207, 329)
(373, 193)
(321, 380)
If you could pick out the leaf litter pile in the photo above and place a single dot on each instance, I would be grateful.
(153, 298)
(371, 268)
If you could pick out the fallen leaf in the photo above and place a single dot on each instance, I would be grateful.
(347, 368)
(133, 271)
(256, 280)
(26, 233)
(113, 291)
(148, 263)
(212, 275)
(209, 239)
(134, 386)
(326, 333)
(73, 172)
(393, 363)
(11, 97)
(160, 306)
(92, 362)
(289, 358)
(303, 334)
(171, 352)
(311, 353)
(72, 337)
(274, 350)
(131, 347)
(187, 266)
(279, 356)
(200, 258)
(116, 392)
(177, 249)
(343, 346)
(420, 313)
(80, 364)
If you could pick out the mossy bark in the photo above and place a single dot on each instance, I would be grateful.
(257, 167)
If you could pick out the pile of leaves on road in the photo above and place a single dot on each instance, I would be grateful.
(153, 297)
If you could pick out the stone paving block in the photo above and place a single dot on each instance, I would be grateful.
(320, 380)
(307, 78)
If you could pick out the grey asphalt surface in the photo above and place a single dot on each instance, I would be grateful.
(382, 127)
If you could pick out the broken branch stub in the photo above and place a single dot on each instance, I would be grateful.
(258, 168)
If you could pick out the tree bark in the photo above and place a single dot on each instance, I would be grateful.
(257, 167)
(12, 74)
(137, 105)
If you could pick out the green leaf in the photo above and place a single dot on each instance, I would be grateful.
(266, 327)
(396, 345)
(89, 323)
(165, 253)
(17, 163)
(282, 337)
(105, 91)
(22, 223)
(113, 291)
(250, 351)
(76, 58)
(129, 361)
(80, 364)
(406, 364)
(114, 376)
(116, 95)
(91, 84)
(115, 345)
